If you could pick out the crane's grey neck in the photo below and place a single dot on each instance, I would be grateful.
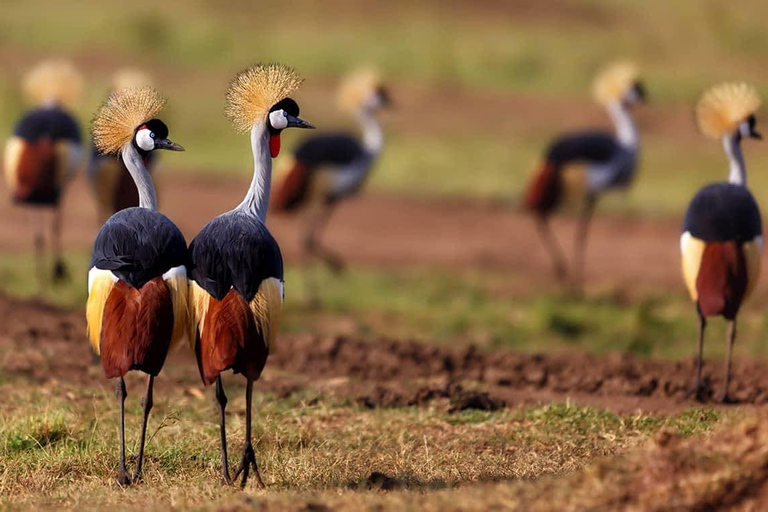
(626, 132)
(135, 165)
(256, 200)
(373, 137)
(738, 170)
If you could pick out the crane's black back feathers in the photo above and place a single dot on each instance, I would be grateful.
(333, 149)
(138, 245)
(591, 147)
(234, 250)
(51, 122)
(722, 212)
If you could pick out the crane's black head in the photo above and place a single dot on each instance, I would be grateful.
(636, 93)
(379, 99)
(747, 128)
(282, 115)
(153, 135)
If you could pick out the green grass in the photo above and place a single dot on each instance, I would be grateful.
(194, 47)
(457, 308)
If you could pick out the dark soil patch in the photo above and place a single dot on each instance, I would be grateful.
(47, 346)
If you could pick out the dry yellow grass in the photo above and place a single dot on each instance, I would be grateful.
(58, 448)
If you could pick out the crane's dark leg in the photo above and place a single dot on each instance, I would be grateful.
(551, 245)
(695, 390)
(581, 242)
(42, 275)
(249, 456)
(147, 404)
(59, 268)
(120, 393)
(221, 400)
(317, 222)
(725, 398)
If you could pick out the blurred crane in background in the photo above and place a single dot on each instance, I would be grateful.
(330, 167)
(42, 155)
(236, 269)
(722, 236)
(112, 184)
(608, 159)
(137, 283)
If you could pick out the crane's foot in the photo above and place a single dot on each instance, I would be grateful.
(249, 460)
(696, 392)
(336, 265)
(60, 272)
(561, 273)
(725, 398)
(123, 478)
(225, 478)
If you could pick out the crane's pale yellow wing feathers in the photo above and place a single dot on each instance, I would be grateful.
(612, 82)
(123, 112)
(724, 106)
(257, 89)
(53, 81)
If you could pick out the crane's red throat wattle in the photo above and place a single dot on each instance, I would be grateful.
(274, 145)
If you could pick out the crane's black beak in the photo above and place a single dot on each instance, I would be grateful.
(755, 134)
(297, 122)
(167, 144)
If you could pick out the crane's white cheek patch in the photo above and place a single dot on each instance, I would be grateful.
(144, 140)
(278, 120)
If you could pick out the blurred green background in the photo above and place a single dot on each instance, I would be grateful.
(479, 88)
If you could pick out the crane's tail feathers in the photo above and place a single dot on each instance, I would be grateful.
(545, 190)
(293, 187)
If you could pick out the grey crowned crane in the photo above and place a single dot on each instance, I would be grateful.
(722, 236)
(43, 153)
(608, 159)
(137, 285)
(235, 265)
(111, 182)
(328, 168)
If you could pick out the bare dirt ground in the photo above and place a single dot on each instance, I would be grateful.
(394, 231)
(47, 346)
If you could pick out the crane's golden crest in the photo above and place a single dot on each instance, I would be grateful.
(131, 78)
(53, 81)
(257, 89)
(124, 111)
(357, 87)
(724, 106)
(612, 83)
